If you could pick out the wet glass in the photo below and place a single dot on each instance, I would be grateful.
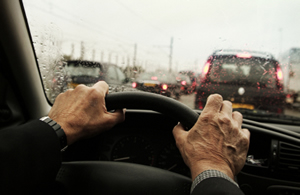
(153, 36)
(248, 71)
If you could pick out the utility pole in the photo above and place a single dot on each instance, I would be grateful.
(280, 44)
(134, 55)
(82, 51)
(128, 61)
(72, 50)
(93, 55)
(102, 55)
(170, 56)
(109, 57)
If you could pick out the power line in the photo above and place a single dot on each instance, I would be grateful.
(140, 17)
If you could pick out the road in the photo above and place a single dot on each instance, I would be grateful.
(190, 99)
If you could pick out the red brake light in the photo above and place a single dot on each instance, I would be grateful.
(200, 105)
(164, 86)
(154, 78)
(243, 55)
(206, 67)
(183, 82)
(279, 73)
(134, 84)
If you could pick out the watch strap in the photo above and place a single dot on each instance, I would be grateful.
(58, 130)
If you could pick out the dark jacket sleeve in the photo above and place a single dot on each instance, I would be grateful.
(29, 157)
(216, 186)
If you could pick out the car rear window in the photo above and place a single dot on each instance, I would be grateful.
(243, 71)
(80, 69)
(162, 77)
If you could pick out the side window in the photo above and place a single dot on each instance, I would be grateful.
(121, 75)
(111, 75)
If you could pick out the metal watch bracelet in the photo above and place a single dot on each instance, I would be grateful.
(58, 130)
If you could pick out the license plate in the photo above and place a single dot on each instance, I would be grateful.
(149, 84)
(247, 106)
(72, 85)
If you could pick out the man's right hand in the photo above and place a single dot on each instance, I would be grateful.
(216, 141)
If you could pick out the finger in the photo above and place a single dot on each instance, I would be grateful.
(179, 134)
(227, 108)
(238, 117)
(213, 104)
(246, 132)
(118, 116)
(102, 86)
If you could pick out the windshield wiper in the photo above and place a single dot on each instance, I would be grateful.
(264, 116)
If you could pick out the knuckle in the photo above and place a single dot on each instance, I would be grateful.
(237, 114)
(206, 117)
(80, 87)
(94, 93)
(245, 141)
(103, 83)
(64, 94)
(61, 95)
(227, 102)
(224, 120)
(235, 129)
(216, 97)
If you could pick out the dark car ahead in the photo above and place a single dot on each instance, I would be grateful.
(186, 83)
(250, 80)
(163, 83)
(89, 72)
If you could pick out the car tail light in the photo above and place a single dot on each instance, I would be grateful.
(206, 67)
(164, 86)
(134, 84)
(279, 74)
(243, 55)
(288, 95)
(183, 82)
(200, 105)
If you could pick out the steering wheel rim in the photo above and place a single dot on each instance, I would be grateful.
(155, 102)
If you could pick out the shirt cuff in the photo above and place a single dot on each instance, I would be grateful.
(209, 174)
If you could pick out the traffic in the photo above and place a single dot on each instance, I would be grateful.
(253, 81)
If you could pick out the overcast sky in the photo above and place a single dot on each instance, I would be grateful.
(198, 27)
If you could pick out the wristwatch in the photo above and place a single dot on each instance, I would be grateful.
(58, 130)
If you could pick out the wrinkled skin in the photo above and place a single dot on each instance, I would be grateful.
(82, 112)
(216, 141)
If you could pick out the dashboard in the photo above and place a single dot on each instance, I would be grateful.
(146, 138)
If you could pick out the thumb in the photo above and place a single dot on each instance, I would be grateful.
(179, 134)
(118, 115)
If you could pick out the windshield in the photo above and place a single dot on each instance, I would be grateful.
(247, 51)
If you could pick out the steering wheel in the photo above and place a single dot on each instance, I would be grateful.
(98, 177)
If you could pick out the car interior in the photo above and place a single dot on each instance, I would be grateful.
(139, 154)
